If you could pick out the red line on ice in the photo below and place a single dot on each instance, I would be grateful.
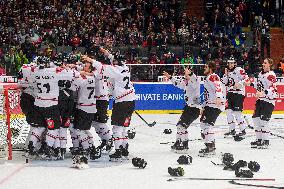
(8, 177)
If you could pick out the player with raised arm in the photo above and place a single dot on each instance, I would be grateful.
(235, 79)
(266, 93)
(191, 111)
(124, 100)
(84, 116)
(65, 101)
(214, 104)
(102, 98)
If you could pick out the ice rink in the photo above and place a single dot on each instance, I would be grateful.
(102, 174)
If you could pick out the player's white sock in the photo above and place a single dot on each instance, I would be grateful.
(36, 136)
(182, 133)
(91, 138)
(231, 119)
(265, 130)
(51, 137)
(74, 137)
(83, 138)
(102, 130)
(124, 137)
(240, 120)
(117, 136)
(63, 137)
(257, 127)
(209, 133)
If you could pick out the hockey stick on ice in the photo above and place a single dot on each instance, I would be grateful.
(247, 122)
(188, 140)
(279, 136)
(149, 124)
(254, 185)
(204, 178)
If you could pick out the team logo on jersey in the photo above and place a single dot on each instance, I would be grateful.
(50, 123)
(127, 122)
(67, 123)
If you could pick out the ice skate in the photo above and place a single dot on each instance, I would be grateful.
(256, 144)
(175, 145)
(264, 144)
(116, 156)
(208, 151)
(182, 148)
(124, 152)
(95, 153)
(230, 133)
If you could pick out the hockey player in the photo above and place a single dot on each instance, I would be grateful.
(266, 94)
(84, 115)
(235, 79)
(28, 108)
(66, 103)
(124, 100)
(214, 104)
(101, 117)
(191, 111)
(102, 91)
(46, 80)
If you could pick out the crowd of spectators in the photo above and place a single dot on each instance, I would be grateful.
(32, 27)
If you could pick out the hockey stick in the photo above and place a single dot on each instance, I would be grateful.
(174, 142)
(149, 124)
(203, 178)
(247, 122)
(254, 185)
(279, 136)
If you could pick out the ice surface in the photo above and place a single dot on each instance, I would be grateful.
(40, 174)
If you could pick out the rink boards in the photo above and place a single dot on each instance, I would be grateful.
(163, 97)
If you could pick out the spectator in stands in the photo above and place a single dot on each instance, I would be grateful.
(187, 59)
(2, 69)
(265, 39)
(279, 69)
(237, 42)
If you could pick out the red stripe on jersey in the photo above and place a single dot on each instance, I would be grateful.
(119, 97)
(81, 104)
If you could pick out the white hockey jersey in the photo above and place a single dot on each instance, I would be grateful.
(191, 88)
(46, 86)
(102, 89)
(238, 75)
(86, 99)
(212, 91)
(266, 82)
(123, 89)
(26, 81)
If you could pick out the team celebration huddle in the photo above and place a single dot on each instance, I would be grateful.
(58, 96)
(66, 95)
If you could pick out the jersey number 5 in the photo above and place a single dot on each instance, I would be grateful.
(40, 87)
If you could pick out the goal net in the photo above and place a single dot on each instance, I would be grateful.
(14, 129)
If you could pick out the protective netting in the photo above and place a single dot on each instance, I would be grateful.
(18, 126)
